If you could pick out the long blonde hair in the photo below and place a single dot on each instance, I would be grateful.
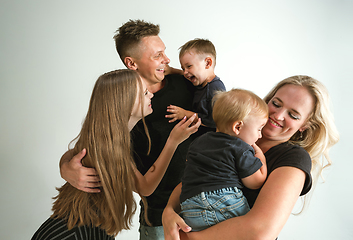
(321, 132)
(106, 137)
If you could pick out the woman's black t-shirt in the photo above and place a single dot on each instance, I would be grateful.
(284, 155)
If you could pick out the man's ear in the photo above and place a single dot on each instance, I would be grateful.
(237, 126)
(130, 63)
(209, 62)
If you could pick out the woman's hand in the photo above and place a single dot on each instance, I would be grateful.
(80, 177)
(184, 129)
(172, 223)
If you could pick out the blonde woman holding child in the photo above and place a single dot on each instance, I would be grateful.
(295, 141)
(119, 100)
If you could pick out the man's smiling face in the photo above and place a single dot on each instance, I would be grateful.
(152, 60)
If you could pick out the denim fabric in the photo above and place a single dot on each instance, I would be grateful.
(151, 233)
(209, 208)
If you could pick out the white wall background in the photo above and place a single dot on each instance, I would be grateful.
(51, 53)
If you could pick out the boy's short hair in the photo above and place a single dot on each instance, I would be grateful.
(236, 105)
(129, 35)
(200, 46)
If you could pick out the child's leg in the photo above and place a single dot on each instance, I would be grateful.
(194, 212)
(228, 203)
(210, 208)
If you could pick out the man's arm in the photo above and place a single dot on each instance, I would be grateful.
(80, 177)
(170, 70)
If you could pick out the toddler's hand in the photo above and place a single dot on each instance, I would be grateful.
(176, 113)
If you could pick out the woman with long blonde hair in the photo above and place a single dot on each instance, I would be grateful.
(119, 100)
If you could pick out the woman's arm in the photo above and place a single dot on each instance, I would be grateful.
(148, 183)
(87, 180)
(271, 210)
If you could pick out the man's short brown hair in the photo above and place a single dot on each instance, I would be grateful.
(128, 37)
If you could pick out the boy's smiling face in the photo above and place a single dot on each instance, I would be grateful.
(194, 67)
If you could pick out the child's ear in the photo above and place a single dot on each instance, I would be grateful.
(209, 62)
(130, 63)
(237, 126)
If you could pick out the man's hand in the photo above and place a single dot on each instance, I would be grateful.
(80, 177)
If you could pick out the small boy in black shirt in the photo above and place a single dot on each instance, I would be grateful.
(198, 59)
(219, 163)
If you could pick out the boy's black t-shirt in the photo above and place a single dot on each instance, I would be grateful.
(202, 102)
(217, 160)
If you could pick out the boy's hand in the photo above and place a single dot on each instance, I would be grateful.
(176, 113)
(257, 149)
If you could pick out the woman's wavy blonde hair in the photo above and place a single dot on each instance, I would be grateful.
(106, 137)
(321, 132)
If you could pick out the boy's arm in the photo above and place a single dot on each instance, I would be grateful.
(257, 179)
(177, 113)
